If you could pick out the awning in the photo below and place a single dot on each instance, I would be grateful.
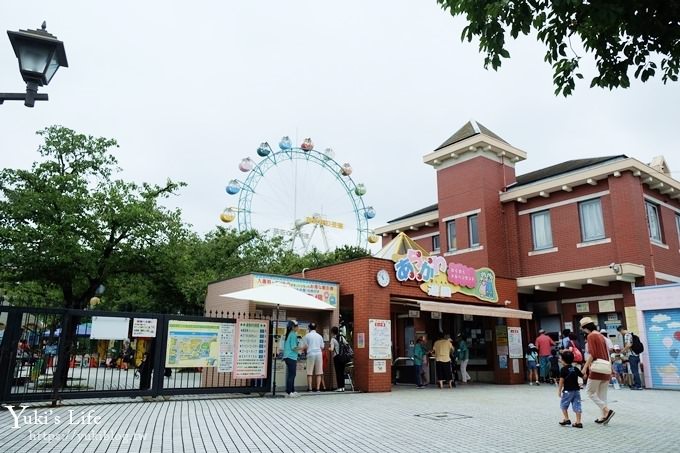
(467, 309)
(283, 296)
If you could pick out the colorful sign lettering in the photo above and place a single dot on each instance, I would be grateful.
(440, 279)
(325, 291)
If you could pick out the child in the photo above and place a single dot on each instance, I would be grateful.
(554, 367)
(532, 361)
(569, 391)
(617, 363)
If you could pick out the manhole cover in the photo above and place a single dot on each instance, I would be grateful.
(443, 416)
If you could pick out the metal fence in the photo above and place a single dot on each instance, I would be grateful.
(48, 354)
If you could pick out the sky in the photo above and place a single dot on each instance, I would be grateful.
(190, 88)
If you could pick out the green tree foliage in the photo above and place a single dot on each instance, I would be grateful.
(622, 35)
(67, 224)
(67, 227)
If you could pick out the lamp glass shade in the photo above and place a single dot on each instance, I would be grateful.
(34, 57)
(52, 68)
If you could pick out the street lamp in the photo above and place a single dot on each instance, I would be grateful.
(40, 54)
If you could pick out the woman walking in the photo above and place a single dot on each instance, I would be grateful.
(290, 356)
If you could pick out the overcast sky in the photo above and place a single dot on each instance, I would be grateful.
(190, 88)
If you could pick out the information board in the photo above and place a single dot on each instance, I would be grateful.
(226, 359)
(515, 342)
(379, 339)
(192, 344)
(251, 350)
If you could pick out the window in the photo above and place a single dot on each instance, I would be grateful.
(451, 234)
(653, 222)
(541, 230)
(592, 225)
(473, 228)
(435, 243)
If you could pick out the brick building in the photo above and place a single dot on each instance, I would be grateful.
(576, 237)
(500, 256)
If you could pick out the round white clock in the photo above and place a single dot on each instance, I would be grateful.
(383, 278)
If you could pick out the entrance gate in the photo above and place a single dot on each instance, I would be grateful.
(50, 354)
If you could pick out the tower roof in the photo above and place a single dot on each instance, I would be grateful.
(469, 129)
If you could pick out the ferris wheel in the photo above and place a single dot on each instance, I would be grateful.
(302, 195)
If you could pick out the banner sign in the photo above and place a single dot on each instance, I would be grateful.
(440, 279)
(328, 292)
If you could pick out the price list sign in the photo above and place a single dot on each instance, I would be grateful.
(225, 363)
(251, 350)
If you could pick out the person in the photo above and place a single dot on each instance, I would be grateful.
(290, 357)
(420, 361)
(566, 341)
(568, 390)
(144, 370)
(312, 344)
(532, 363)
(128, 356)
(443, 349)
(463, 358)
(544, 344)
(554, 367)
(617, 362)
(339, 361)
(610, 343)
(633, 358)
(597, 383)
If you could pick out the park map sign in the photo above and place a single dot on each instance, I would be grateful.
(441, 279)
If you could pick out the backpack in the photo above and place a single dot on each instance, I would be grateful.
(345, 351)
(637, 346)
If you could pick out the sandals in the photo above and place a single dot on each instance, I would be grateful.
(565, 422)
(577, 425)
(604, 421)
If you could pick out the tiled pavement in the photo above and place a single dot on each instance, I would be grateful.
(476, 418)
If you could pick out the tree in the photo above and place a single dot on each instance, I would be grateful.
(68, 224)
(621, 34)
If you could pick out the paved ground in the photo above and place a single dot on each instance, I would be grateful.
(477, 418)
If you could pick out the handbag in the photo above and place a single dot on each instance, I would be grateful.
(601, 366)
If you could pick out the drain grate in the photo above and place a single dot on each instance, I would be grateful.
(443, 416)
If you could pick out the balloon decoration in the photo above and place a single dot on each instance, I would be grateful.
(668, 342)
(675, 353)
(677, 335)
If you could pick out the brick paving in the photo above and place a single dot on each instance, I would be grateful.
(480, 418)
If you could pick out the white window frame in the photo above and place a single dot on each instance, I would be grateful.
(448, 235)
(473, 243)
(585, 227)
(436, 241)
(652, 210)
(534, 228)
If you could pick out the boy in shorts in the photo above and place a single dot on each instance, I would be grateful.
(568, 390)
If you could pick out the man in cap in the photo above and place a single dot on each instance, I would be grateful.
(544, 344)
(610, 343)
(598, 383)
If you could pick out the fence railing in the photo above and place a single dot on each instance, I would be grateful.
(52, 354)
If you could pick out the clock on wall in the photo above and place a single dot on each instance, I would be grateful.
(383, 278)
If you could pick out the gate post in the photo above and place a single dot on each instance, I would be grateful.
(60, 376)
(8, 352)
(159, 354)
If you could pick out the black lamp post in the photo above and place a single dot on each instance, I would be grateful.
(40, 54)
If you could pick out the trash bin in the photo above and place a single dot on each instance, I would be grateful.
(403, 371)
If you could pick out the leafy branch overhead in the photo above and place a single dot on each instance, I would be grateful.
(632, 35)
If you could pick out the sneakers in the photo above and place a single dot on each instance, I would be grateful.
(292, 395)
(531, 383)
(537, 383)
(420, 386)
(341, 389)
(609, 416)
